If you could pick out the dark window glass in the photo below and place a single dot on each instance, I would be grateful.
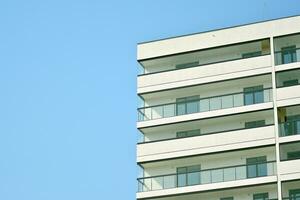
(254, 124)
(251, 54)
(187, 65)
(261, 196)
(227, 198)
(293, 155)
(290, 83)
(288, 54)
(292, 125)
(253, 95)
(188, 133)
(257, 167)
(294, 194)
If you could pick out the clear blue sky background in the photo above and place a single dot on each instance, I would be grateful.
(68, 83)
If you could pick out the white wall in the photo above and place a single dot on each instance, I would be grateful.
(238, 194)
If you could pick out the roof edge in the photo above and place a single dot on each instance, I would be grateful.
(218, 29)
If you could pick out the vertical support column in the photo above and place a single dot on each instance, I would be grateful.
(276, 131)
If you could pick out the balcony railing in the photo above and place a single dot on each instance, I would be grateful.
(287, 56)
(208, 176)
(289, 128)
(204, 104)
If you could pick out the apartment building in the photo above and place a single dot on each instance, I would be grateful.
(220, 114)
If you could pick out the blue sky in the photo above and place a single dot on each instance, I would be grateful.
(68, 83)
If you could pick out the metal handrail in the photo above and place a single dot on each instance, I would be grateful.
(206, 170)
(162, 184)
(143, 116)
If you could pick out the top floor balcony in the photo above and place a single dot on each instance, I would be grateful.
(206, 56)
(287, 49)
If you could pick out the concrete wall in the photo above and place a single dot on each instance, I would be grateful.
(219, 37)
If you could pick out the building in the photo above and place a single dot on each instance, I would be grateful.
(221, 114)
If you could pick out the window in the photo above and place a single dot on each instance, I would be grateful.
(227, 198)
(253, 95)
(261, 196)
(293, 155)
(257, 167)
(294, 194)
(292, 125)
(290, 83)
(288, 54)
(187, 65)
(187, 105)
(254, 124)
(188, 175)
(188, 133)
(251, 54)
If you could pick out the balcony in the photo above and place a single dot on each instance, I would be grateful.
(206, 56)
(290, 160)
(289, 128)
(199, 105)
(204, 74)
(286, 49)
(287, 56)
(209, 176)
(288, 86)
(289, 124)
(201, 173)
(291, 190)
(206, 136)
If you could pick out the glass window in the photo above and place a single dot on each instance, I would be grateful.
(188, 175)
(187, 105)
(293, 155)
(188, 133)
(294, 194)
(254, 124)
(288, 54)
(292, 125)
(256, 167)
(181, 176)
(261, 196)
(253, 95)
(251, 54)
(227, 198)
(187, 65)
(248, 98)
(180, 106)
(290, 83)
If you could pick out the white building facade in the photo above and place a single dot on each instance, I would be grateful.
(221, 114)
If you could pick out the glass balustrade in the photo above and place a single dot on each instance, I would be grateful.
(206, 176)
(294, 197)
(204, 104)
(287, 56)
(289, 128)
